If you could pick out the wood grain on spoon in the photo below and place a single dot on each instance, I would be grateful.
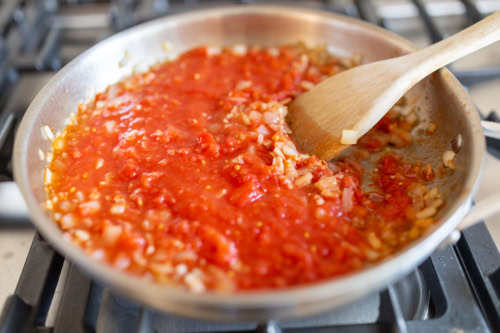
(352, 102)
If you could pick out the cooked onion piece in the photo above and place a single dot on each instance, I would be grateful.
(447, 157)
(349, 137)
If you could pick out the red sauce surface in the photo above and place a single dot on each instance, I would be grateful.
(157, 178)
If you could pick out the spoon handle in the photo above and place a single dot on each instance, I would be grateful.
(477, 36)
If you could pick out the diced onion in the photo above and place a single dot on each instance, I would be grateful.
(194, 282)
(213, 50)
(376, 197)
(307, 85)
(349, 137)
(447, 159)
(320, 213)
(110, 233)
(304, 180)
(289, 151)
(411, 118)
(181, 269)
(327, 183)
(122, 262)
(90, 207)
(431, 128)
(263, 130)
(41, 155)
(242, 85)
(68, 221)
(374, 241)
(79, 195)
(117, 209)
(98, 254)
(186, 256)
(431, 194)
(48, 133)
(371, 255)
(426, 212)
(82, 235)
(255, 116)
(65, 205)
(239, 50)
(273, 51)
(278, 164)
(347, 196)
(99, 163)
(161, 268)
(437, 203)
(58, 143)
(271, 118)
(110, 125)
(48, 176)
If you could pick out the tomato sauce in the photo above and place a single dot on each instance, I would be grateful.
(187, 175)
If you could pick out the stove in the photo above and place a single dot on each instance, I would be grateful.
(456, 290)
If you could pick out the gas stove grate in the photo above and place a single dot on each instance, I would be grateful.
(38, 37)
(434, 33)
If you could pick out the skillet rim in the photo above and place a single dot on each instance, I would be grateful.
(255, 304)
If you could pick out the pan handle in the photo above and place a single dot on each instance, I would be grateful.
(481, 210)
(491, 129)
(487, 207)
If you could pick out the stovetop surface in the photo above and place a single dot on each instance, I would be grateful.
(457, 288)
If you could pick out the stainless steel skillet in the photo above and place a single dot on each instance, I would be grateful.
(439, 98)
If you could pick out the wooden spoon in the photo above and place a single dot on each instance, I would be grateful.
(338, 111)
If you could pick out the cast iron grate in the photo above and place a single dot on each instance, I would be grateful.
(434, 33)
(463, 279)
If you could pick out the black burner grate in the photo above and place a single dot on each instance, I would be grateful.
(462, 281)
